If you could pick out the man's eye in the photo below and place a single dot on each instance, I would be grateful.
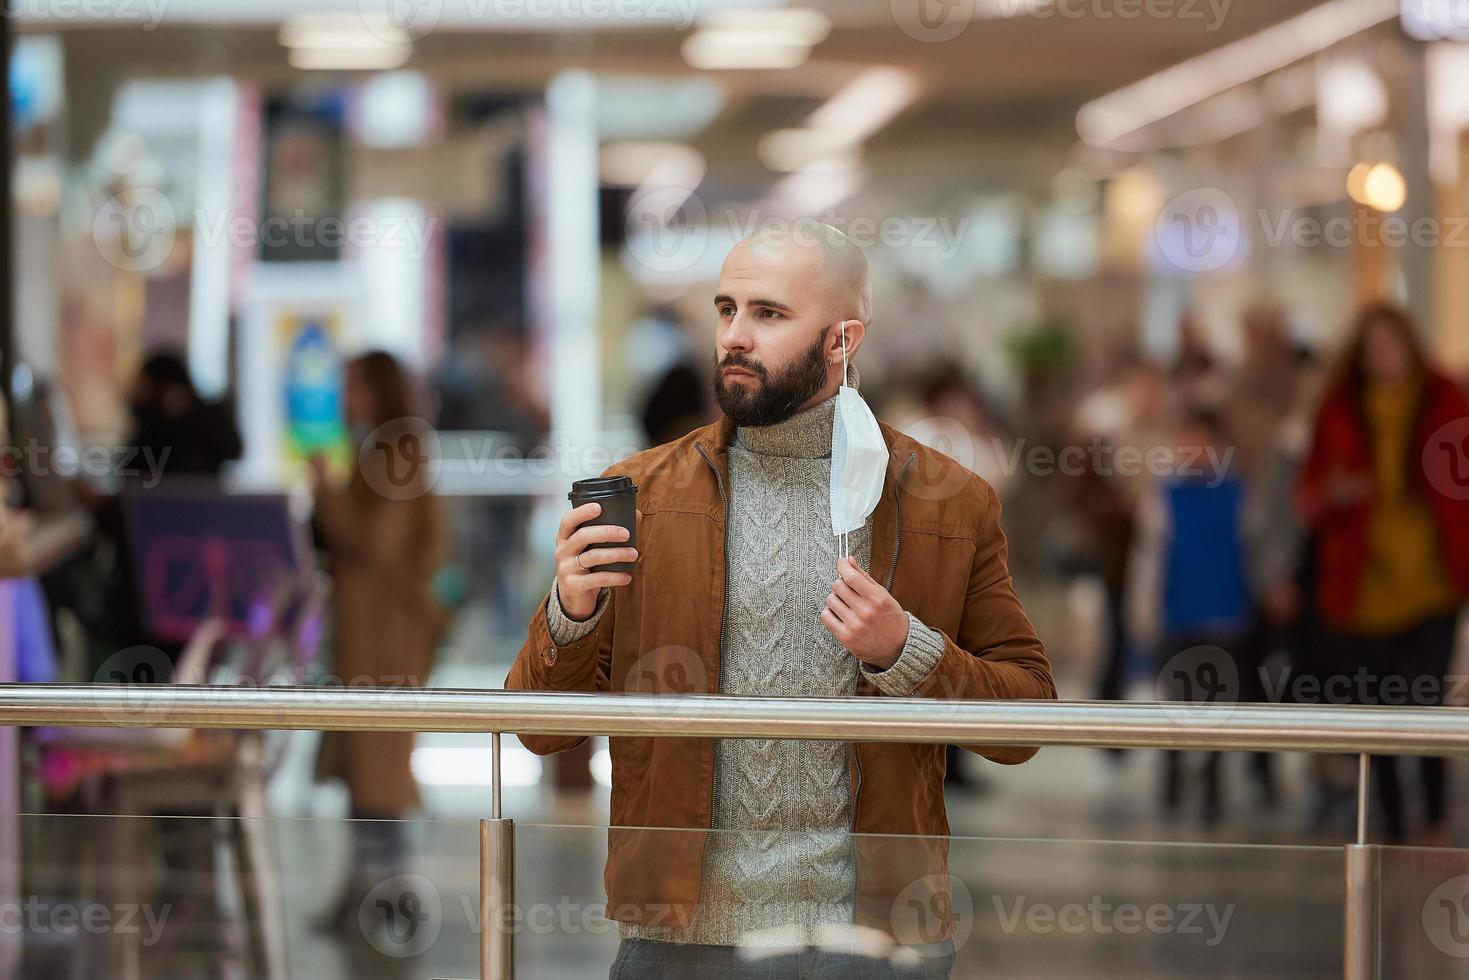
(770, 314)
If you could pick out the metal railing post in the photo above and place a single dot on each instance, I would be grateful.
(496, 883)
(1364, 868)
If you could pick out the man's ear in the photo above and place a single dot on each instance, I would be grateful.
(856, 331)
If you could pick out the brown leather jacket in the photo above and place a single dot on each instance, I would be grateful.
(936, 545)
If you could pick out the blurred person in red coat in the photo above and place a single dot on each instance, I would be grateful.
(1385, 491)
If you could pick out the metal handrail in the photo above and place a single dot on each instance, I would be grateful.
(1127, 724)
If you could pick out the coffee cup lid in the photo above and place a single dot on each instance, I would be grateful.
(601, 486)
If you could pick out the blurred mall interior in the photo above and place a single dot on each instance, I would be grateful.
(1184, 280)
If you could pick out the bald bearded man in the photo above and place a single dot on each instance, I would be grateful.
(775, 857)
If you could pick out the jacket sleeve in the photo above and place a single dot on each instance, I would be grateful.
(565, 630)
(584, 666)
(996, 654)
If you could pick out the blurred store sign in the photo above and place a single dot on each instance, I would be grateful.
(36, 81)
(200, 554)
(313, 384)
(1436, 20)
(300, 321)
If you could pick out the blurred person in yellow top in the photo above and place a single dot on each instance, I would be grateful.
(1385, 491)
(1405, 579)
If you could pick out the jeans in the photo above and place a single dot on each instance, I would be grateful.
(643, 959)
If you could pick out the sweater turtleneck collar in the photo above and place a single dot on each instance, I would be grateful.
(807, 434)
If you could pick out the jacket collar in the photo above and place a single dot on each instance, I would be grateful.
(713, 444)
(715, 439)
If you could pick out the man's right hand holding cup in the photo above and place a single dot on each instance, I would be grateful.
(579, 580)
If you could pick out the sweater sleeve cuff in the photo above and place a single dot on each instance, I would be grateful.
(565, 630)
(921, 653)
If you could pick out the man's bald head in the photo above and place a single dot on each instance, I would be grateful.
(836, 264)
(793, 304)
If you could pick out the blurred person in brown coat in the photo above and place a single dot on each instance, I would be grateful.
(383, 534)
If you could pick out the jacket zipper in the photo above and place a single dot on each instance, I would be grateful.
(857, 756)
(723, 619)
(898, 530)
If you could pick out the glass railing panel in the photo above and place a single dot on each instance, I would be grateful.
(1423, 912)
(197, 896)
(190, 896)
(973, 907)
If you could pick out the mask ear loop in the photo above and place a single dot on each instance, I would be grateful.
(846, 547)
(844, 352)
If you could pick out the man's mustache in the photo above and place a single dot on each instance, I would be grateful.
(735, 360)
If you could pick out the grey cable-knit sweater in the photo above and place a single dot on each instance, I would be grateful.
(780, 867)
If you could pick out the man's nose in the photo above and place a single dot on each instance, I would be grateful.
(736, 336)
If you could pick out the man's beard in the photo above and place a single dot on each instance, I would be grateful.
(777, 399)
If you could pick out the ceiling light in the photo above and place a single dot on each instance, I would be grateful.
(349, 59)
(751, 39)
(788, 150)
(1384, 188)
(632, 163)
(779, 25)
(1357, 182)
(1121, 113)
(1350, 95)
(712, 51)
(866, 104)
(341, 42)
(338, 30)
(814, 190)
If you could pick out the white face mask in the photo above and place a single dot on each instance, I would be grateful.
(859, 459)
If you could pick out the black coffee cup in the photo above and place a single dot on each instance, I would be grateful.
(619, 499)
